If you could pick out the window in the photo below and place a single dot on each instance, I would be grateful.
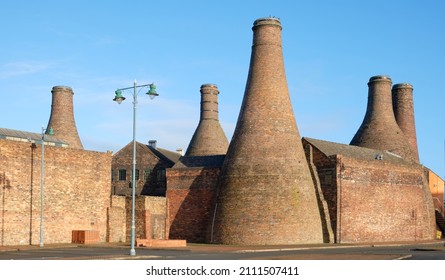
(147, 173)
(137, 174)
(122, 174)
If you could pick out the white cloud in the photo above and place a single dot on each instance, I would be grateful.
(20, 68)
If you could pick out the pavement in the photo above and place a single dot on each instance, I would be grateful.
(215, 248)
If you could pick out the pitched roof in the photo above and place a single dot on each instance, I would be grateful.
(163, 154)
(200, 161)
(173, 157)
(32, 137)
(331, 148)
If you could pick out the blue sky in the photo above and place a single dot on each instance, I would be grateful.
(331, 49)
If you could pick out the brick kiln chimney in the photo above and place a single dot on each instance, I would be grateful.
(403, 105)
(265, 191)
(379, 129)
(209, 138)
(62, 116)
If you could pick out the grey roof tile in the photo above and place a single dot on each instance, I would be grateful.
(19, 135)
(331, 148)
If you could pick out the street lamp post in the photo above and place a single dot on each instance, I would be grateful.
(119, 98)
(42, 180)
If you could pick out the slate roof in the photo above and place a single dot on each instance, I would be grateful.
(167, 155)
(200, 161)
(163, 154)
(32, 137)
(331, 148)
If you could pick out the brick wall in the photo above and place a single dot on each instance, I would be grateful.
(76, 193)
(190, 195)
(117, 216)
(379, 201)
(326, 169)
(323, 205)
(156, 215)
(150, 218)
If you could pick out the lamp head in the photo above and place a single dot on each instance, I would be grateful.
(152, 92)
(50, 131)
(118, 98)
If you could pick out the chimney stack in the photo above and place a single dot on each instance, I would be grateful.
(152, 143)
(180, 151)
(209, 138)
(403, 104)
(379, 129)
(61, 119)
(266, 195)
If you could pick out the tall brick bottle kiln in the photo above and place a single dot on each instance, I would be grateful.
(265, 191)
(209, 138)
(61, 119)
(403, 104)
(379, 129)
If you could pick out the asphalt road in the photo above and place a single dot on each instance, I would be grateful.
(196, 252)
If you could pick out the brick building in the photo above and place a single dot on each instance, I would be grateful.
(151, 164)
(268, 186)
(372, 195)
(373, 190)
(77, 185)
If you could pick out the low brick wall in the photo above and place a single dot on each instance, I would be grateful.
(160, 243)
